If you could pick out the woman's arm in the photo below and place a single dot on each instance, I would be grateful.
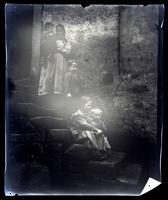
(82, 123)
(48, 45)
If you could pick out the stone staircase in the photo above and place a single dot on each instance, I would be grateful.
(39, 133)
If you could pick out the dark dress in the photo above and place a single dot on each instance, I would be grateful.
(53, 65)
(84, 129)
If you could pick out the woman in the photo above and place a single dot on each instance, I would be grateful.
(52, 73)
(89, 129)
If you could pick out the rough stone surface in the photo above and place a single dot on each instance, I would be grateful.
(130, 174)
(49, 122)
(60, 135)
(119, 61)
(31, 137)
(93, 35)
(106, 168)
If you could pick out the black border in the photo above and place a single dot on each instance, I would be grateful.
(159, 191)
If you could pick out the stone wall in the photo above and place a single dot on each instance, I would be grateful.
(137, 93)
(93, 33)
(138, 39)
(116, 48)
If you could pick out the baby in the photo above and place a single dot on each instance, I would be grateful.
(63, 46)
(99, 124)
(96, 119)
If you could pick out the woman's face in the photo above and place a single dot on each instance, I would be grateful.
(51, 29)
(88, 105)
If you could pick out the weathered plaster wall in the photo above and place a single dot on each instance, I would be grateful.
(106, 41)
(138, 38)
(93, 33)
(137, 94)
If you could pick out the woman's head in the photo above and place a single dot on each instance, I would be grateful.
(90, 103)
(86, 103)
(49, 26)
(60, 31)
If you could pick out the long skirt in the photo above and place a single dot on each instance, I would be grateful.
(93, 140)
(52, 75)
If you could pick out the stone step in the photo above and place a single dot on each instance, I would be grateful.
(60, 135)
(106, 168)
(96, 184)
(52, 157)
(34, 110)
(51, 103)
(60, 103)
(31, 89)
(20, 125)
(48, 123)
(26, 150)
(22, 96)
(28, 81)
(65, 105)
(130, 173)
(77, 152)
(33, 137)
(38, 180)
(53, 151)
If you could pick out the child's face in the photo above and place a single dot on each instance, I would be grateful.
(51, 29)
(73, 67)
(97, 116)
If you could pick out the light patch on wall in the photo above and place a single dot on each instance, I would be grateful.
(137, 37)
(91, 24)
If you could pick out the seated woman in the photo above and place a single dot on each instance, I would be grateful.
(88, 128)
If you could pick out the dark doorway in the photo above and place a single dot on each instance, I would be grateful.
(19, 19)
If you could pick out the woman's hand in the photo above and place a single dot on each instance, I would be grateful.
(99, 131)
(60, 44)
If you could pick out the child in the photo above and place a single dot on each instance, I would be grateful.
(72, 81)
